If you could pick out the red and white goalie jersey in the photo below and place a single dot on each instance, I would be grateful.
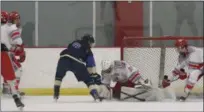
(119, 71)
(10, 36)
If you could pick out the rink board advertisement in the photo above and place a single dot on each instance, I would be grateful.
(40, 67)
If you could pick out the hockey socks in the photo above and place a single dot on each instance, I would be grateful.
(56, 92)
(57, 89)
(6, 88)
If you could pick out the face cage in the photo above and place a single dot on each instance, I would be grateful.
(108, 70)
(181, 49)
(14, 19)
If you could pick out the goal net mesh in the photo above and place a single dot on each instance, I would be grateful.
(156, 57)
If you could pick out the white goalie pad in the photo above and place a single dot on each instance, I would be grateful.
(104, 92)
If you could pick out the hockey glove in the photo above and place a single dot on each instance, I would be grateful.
(96, 77)
(166, 82)
(18, 50)
(181, 73)
(22, 57)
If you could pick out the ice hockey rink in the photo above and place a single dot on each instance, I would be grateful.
(86, 103)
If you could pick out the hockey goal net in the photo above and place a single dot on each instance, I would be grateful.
(156, 57)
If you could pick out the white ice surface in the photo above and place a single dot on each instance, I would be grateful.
(86, 103)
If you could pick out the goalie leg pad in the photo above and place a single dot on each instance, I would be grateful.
(105, 92)
(117, 89)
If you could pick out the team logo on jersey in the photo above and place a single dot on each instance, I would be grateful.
(76, 45)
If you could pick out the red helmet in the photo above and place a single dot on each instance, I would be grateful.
(4, 16)
(14, 15)
(181, 43)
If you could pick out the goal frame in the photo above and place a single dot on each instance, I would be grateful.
(157, 38)
(137, 43)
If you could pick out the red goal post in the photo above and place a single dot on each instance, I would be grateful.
(156, 56)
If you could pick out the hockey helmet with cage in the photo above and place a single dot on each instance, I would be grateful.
(181, 46)
(4, 16)
(181, 43)
(13, 16)
(105, 64)
(88, 39)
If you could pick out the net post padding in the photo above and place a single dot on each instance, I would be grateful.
(154, 61)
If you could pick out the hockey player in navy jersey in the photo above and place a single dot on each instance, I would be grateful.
(78, 58)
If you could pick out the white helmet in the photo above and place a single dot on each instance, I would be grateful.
(105, 64)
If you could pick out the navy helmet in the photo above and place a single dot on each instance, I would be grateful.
(88, 38)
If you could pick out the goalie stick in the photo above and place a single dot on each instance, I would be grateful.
(141, 86)
(135, 95)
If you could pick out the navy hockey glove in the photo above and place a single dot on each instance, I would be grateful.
(96, 77)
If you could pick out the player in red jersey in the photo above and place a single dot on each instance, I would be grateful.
(10, 42)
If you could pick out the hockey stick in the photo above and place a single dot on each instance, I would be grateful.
(142, 86)
(133, 96)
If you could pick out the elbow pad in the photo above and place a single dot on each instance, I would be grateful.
(90, 61)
